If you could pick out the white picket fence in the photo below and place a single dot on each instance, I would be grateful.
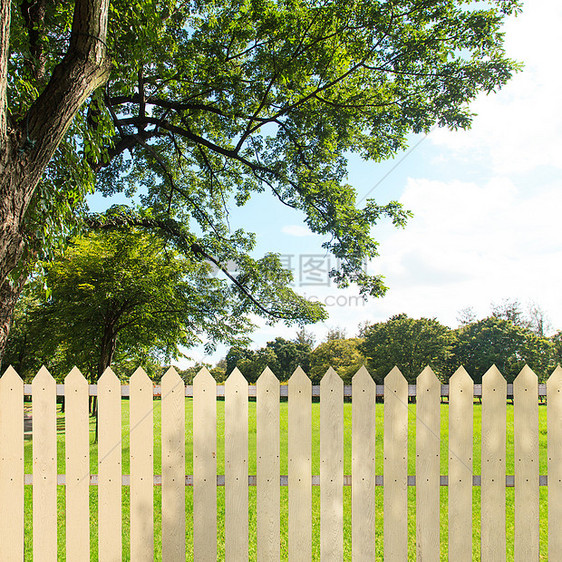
(300, 481)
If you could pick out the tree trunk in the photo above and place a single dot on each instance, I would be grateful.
(107, 350)
(9, 294)
(27, 146)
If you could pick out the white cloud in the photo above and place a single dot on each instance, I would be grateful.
(519, 128)
(297, 230)
(471, 244)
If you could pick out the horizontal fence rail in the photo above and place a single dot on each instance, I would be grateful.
(284, 390)
(284, 480)
(391, 534)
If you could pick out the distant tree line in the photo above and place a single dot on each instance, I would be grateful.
(507, 338)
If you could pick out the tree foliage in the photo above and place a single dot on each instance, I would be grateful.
(501, 342)
(407, 343)
(343, 355)
(205, 104)
(125, 296)
(280, 355)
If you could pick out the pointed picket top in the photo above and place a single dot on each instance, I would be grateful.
(43, 378)
(526, 379)
(267, 379)
(395, 379)
(203, 376)
(75, 378)
(331, 379)
(461, 377)
(299, 376)
(555, 378)
(494, 380)
(362, 377)
(171, 378)
(10, 376)
(109, 377)
(140, 378)
(236, 382)
(428, 380)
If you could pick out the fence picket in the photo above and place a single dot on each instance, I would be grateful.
(395, 466)
(44, 392)
(77, 436)
(331, 466)
(363, 466)
(109, 468)
(299, 466)
(268, 467)
(236, 467)
(11, 466)
(141, 444)
(554, 468)
(491, 483)
(427, 465)
(461, 388)
(526, 437)
(173, 466)
(204, 467)
(494, 391)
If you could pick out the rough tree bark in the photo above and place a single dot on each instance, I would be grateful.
(27, 145)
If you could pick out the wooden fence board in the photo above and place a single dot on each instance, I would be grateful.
(173, 467)
(526, 441)
(363, 466)
(460, 465)
(142, 467)
(204, 467)
(331, 466)
(77, 436)
(11, 467)
(554, 468)
(236, 468)
(299, 466)
(44, 466)
(109, 468)
(428, 443)
(395, 466)
(492, 490)
(268, 468)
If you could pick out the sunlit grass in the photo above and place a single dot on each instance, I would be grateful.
(284, 491)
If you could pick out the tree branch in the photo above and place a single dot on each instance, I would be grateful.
(83, 69)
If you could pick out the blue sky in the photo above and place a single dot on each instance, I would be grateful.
(487, 206)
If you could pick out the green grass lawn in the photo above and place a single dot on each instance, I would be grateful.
(284, 491)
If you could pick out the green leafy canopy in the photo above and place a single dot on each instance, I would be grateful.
(209, 103)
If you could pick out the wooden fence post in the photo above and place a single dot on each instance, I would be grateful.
(109, 468)
(77, 435)
(142, 467)
(428, 442)
(44, 392)
(173, 466)
(363, 466)
(268, 468)
(526, 437)
(236, 468)
(461, 398)
(331, 466)
(11, 466)
(395, 466)
(204, 467)
(492, 490)
(299, 465)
